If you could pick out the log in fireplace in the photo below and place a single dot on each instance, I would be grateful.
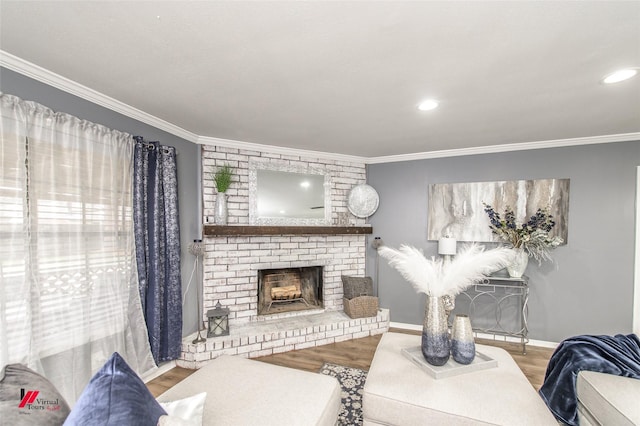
(289, 289)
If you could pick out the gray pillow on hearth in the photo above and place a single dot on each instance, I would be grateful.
(357, 286)
(27, 398)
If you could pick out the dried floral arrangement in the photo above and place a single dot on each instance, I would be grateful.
(532, 236)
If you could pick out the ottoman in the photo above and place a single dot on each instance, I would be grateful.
(245, 392)
(398, 392)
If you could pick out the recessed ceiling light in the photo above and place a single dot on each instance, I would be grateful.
(620, 75)
(428, 105)
(305, 184)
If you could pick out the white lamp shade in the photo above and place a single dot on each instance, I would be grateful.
(447, 246)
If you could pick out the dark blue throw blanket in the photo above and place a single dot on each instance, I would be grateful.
(619, 355)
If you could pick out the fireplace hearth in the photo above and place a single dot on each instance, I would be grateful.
(289, 289)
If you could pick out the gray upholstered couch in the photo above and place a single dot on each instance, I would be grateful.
(605, 399)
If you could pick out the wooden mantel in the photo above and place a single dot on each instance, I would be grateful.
(238, 230)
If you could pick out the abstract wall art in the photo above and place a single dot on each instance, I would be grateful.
(456, 209)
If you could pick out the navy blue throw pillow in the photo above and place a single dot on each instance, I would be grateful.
(115, 396)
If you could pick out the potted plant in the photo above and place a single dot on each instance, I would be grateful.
(222, 178)
(527, 239)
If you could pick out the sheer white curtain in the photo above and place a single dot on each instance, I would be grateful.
(68, 282)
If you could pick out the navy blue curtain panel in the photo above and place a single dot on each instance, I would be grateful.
(157, 237)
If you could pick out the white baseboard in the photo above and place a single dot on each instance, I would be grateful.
(404, 326)
(538, 343)
(159, 371)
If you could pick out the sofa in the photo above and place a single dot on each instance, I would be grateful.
(607, 399)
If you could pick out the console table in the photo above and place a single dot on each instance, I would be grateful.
(497, 306)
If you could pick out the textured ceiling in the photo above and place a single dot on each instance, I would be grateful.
(345, 77)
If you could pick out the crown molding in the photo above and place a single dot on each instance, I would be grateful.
(492, 149)
(249, 146)
(43, 75)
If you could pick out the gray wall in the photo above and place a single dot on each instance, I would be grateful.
(189, 160)
(589, 289)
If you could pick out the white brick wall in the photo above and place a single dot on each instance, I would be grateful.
(231, 264)
(231, 267)
(344, 176)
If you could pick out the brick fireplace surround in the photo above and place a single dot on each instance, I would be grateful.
(231, 266)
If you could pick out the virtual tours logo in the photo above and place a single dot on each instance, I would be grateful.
(29, 401)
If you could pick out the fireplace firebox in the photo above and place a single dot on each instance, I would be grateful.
(289, 289)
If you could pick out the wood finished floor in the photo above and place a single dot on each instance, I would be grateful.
(358, 353)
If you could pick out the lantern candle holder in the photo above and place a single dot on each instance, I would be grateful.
(218, 321)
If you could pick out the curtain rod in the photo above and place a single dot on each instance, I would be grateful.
(150, 145)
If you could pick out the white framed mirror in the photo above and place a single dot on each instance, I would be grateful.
(288, 194)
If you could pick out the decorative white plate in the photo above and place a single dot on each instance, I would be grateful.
(363, 200)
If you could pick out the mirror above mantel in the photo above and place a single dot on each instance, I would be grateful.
(287, 194)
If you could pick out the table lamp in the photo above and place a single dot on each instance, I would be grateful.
(447, 247)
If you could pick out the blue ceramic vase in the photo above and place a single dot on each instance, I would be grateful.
(435, 332)
(463, 347)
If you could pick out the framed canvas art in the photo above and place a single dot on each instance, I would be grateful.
(456, 209)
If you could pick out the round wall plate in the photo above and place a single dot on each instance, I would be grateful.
(363, 200)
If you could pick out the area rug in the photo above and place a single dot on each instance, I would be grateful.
(352, 383)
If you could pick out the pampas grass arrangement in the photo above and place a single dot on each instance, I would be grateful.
(437, 277)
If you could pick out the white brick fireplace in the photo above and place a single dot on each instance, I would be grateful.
(231, 265)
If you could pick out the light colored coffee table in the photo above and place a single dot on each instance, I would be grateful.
(398, 392)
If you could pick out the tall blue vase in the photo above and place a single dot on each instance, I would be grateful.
(436, 345)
